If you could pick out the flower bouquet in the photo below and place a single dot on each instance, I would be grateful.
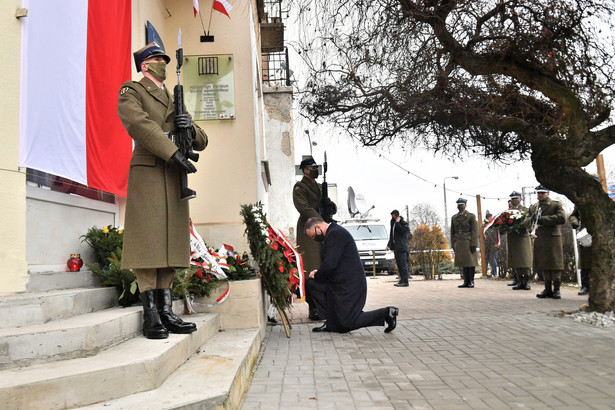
(510, 220)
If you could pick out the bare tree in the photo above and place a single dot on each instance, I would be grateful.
(507, 79)
(423, 213)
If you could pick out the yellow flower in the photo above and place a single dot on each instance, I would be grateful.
(105, 230)
(120, 231)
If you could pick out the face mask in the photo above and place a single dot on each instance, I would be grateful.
(319, 237)
(461, 207)
(158, 70)
(313, 173)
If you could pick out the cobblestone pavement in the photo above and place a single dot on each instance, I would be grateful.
(484, 348)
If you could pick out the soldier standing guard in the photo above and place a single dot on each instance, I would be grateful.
(464, 241)
(519, 247)
(307, 198)
(547, 215)
(157, 231)
(585, 251)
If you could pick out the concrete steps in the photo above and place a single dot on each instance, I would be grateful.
(74, 347)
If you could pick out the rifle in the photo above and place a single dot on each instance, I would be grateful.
(183, 136)
(326, 211)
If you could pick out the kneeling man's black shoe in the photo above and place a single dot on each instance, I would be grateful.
(391, 319)
(401, 284)
(322, 328)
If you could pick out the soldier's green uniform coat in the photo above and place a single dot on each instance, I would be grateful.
(548, 249)
(519, 246)
(157, 227)
(307, 196)
(464, 232)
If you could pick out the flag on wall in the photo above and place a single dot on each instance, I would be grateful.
(75, 56)
(223, 7)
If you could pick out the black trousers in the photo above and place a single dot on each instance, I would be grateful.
(319, 293)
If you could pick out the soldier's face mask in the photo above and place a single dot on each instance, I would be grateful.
(515, 201)
(158, 69)
(313, 172)
(461, 207)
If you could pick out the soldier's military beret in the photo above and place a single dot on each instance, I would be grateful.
(540, 188)
(515, 194)
(150, 50)
(309, 161)
(462, 201)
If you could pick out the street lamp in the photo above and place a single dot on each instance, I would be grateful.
(446, 233)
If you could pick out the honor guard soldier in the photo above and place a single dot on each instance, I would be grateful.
(157, 227)
(546, 216)
(464, 241)
(519, 247)
(307, 197)
(585, 251)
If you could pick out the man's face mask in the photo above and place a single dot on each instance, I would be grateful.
(461, 207)
(158, 70)
(313, 173)
(319, 237)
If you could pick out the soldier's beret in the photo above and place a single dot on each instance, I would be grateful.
(309, 161)
(150, 50)
(540, 188)
(462, 201)
(515, 194)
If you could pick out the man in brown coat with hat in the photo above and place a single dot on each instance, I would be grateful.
(547, 216)
(307, 198)
(519, 249)
(464, 241)
(157, 223)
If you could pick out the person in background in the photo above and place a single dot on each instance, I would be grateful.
(548, 248)
(519, 246)
(585, 252)
(307, 197)
(464, 241)
(399, 237)
(338, 286)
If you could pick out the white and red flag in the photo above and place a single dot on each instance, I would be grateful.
(75, 56)
(223, 7)
(195, 7)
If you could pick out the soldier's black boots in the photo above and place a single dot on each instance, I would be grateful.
(465, 278)
(523, 283)
(515, 280)
(547, 293)
(152, 325)
(556, 294)
(471, 272)
(170, 320)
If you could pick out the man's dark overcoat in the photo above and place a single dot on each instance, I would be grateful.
(342, 271)
(307, 196)
(548, 248)
(464, 232)
(399, 235)
(519, 246)
(157, 224)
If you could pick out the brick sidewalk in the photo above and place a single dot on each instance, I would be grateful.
(482, 348)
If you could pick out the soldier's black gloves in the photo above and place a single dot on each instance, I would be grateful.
(183, 121)
(533, 218)
(183, 162)
(472, 248)
(575, 224)
(540, 220)
(326, 201)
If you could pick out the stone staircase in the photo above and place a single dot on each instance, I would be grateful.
(66, 347)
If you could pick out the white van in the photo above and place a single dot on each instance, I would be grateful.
(371, 237)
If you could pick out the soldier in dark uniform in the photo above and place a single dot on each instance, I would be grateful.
(585, 253)
(157, 224)
(307, 198)
(548, 248)
(464, 241)
(519, 246)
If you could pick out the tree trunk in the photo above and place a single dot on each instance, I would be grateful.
(597, 215)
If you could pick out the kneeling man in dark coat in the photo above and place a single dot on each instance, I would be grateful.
(339, 286)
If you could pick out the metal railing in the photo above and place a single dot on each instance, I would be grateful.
(275, 67)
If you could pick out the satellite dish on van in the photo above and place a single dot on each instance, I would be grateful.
(357, 204)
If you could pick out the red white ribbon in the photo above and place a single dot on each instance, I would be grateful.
(280, 238)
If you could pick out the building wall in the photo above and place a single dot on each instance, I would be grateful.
(13, 265)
